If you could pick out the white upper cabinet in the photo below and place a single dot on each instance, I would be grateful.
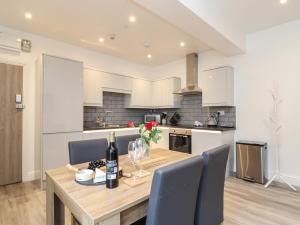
(93, 94)
(116, 83)
(62, 95)
(141, 93)
(218, 87)
(141, 96)
(154, 94)
(95, 82)
(163, 90)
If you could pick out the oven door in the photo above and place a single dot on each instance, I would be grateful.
(180, 143)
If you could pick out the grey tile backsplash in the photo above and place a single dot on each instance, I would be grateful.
(115, 112)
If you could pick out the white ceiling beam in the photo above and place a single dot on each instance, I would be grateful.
(184, 15)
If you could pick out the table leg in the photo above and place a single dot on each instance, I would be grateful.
(55, 210)
(59, 211)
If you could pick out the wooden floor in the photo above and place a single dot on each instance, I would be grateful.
(245, 204)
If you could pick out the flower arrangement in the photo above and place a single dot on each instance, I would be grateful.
(149, 132)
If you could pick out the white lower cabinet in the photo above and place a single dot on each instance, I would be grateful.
(205, 140)
(55, 149)
(88, 135)
(164, 141)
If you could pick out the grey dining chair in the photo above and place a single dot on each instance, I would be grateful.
(174, 193)
(87, 150)
(123, 141)
(210, 202)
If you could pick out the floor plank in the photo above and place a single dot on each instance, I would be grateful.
(245, 204)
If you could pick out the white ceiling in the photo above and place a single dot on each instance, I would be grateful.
(255, 15)
(82, 22)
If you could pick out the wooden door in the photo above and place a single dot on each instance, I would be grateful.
(11, 83)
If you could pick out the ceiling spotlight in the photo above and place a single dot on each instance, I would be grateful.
(182, 44)
(101, 39)
(132, 19)
(149, 56)
(283, 2)
(19, 40)
(28, 16)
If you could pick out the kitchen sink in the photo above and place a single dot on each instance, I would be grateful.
(107, 126)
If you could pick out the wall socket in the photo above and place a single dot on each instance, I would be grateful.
(221, 113)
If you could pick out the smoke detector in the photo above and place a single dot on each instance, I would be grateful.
(112, 37)
(146, 44)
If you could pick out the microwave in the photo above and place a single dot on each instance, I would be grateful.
(152, 117)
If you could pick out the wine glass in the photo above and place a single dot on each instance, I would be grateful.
(140, 143)
(135, 154)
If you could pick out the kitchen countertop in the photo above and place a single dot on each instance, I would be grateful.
(221, 128)
(165, 126)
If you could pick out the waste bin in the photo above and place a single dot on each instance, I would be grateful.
(251, 161)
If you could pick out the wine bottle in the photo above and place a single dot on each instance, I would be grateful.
(112, 163)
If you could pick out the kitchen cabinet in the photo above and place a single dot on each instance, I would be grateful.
(56, 150)
(59, 106)
(62, 94)
(95, 82)
(163, 90)
(205, 140)
(116, 83)
(164, 141)
(154, 94)
(141, 93)
(96, 134)
(141, 96)
(93, 93)
(218, 87)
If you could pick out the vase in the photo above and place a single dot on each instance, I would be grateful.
(147, 151)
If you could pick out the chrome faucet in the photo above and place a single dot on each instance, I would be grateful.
(105, 123)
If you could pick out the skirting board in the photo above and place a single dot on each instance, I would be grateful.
(293, 180)
(30, 176)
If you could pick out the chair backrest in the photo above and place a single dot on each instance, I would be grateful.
(122, 142)
(87, 150)
(210, 203)
(174, 193)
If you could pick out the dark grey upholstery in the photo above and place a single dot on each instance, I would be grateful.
(87, 150)
(174, 193)
(210, 201)
(122, 142)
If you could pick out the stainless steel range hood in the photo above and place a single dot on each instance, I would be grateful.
(191, 76)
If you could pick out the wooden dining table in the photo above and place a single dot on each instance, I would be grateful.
(97, 205)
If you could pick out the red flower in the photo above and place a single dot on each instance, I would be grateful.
(148, 125)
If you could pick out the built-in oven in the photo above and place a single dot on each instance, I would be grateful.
(180, 140)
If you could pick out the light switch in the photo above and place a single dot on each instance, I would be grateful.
(18, 98)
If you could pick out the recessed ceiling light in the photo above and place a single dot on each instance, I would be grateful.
(101, 39)
(132, 19)
(19, 40)
(149, 56)
(182, 44)
(28, 16)
(283, 2)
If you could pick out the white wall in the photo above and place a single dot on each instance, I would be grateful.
(272, 56)
(43, 45)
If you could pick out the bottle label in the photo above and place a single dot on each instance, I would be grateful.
(111, 170)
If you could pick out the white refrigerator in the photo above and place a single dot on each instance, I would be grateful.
(61, 104)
